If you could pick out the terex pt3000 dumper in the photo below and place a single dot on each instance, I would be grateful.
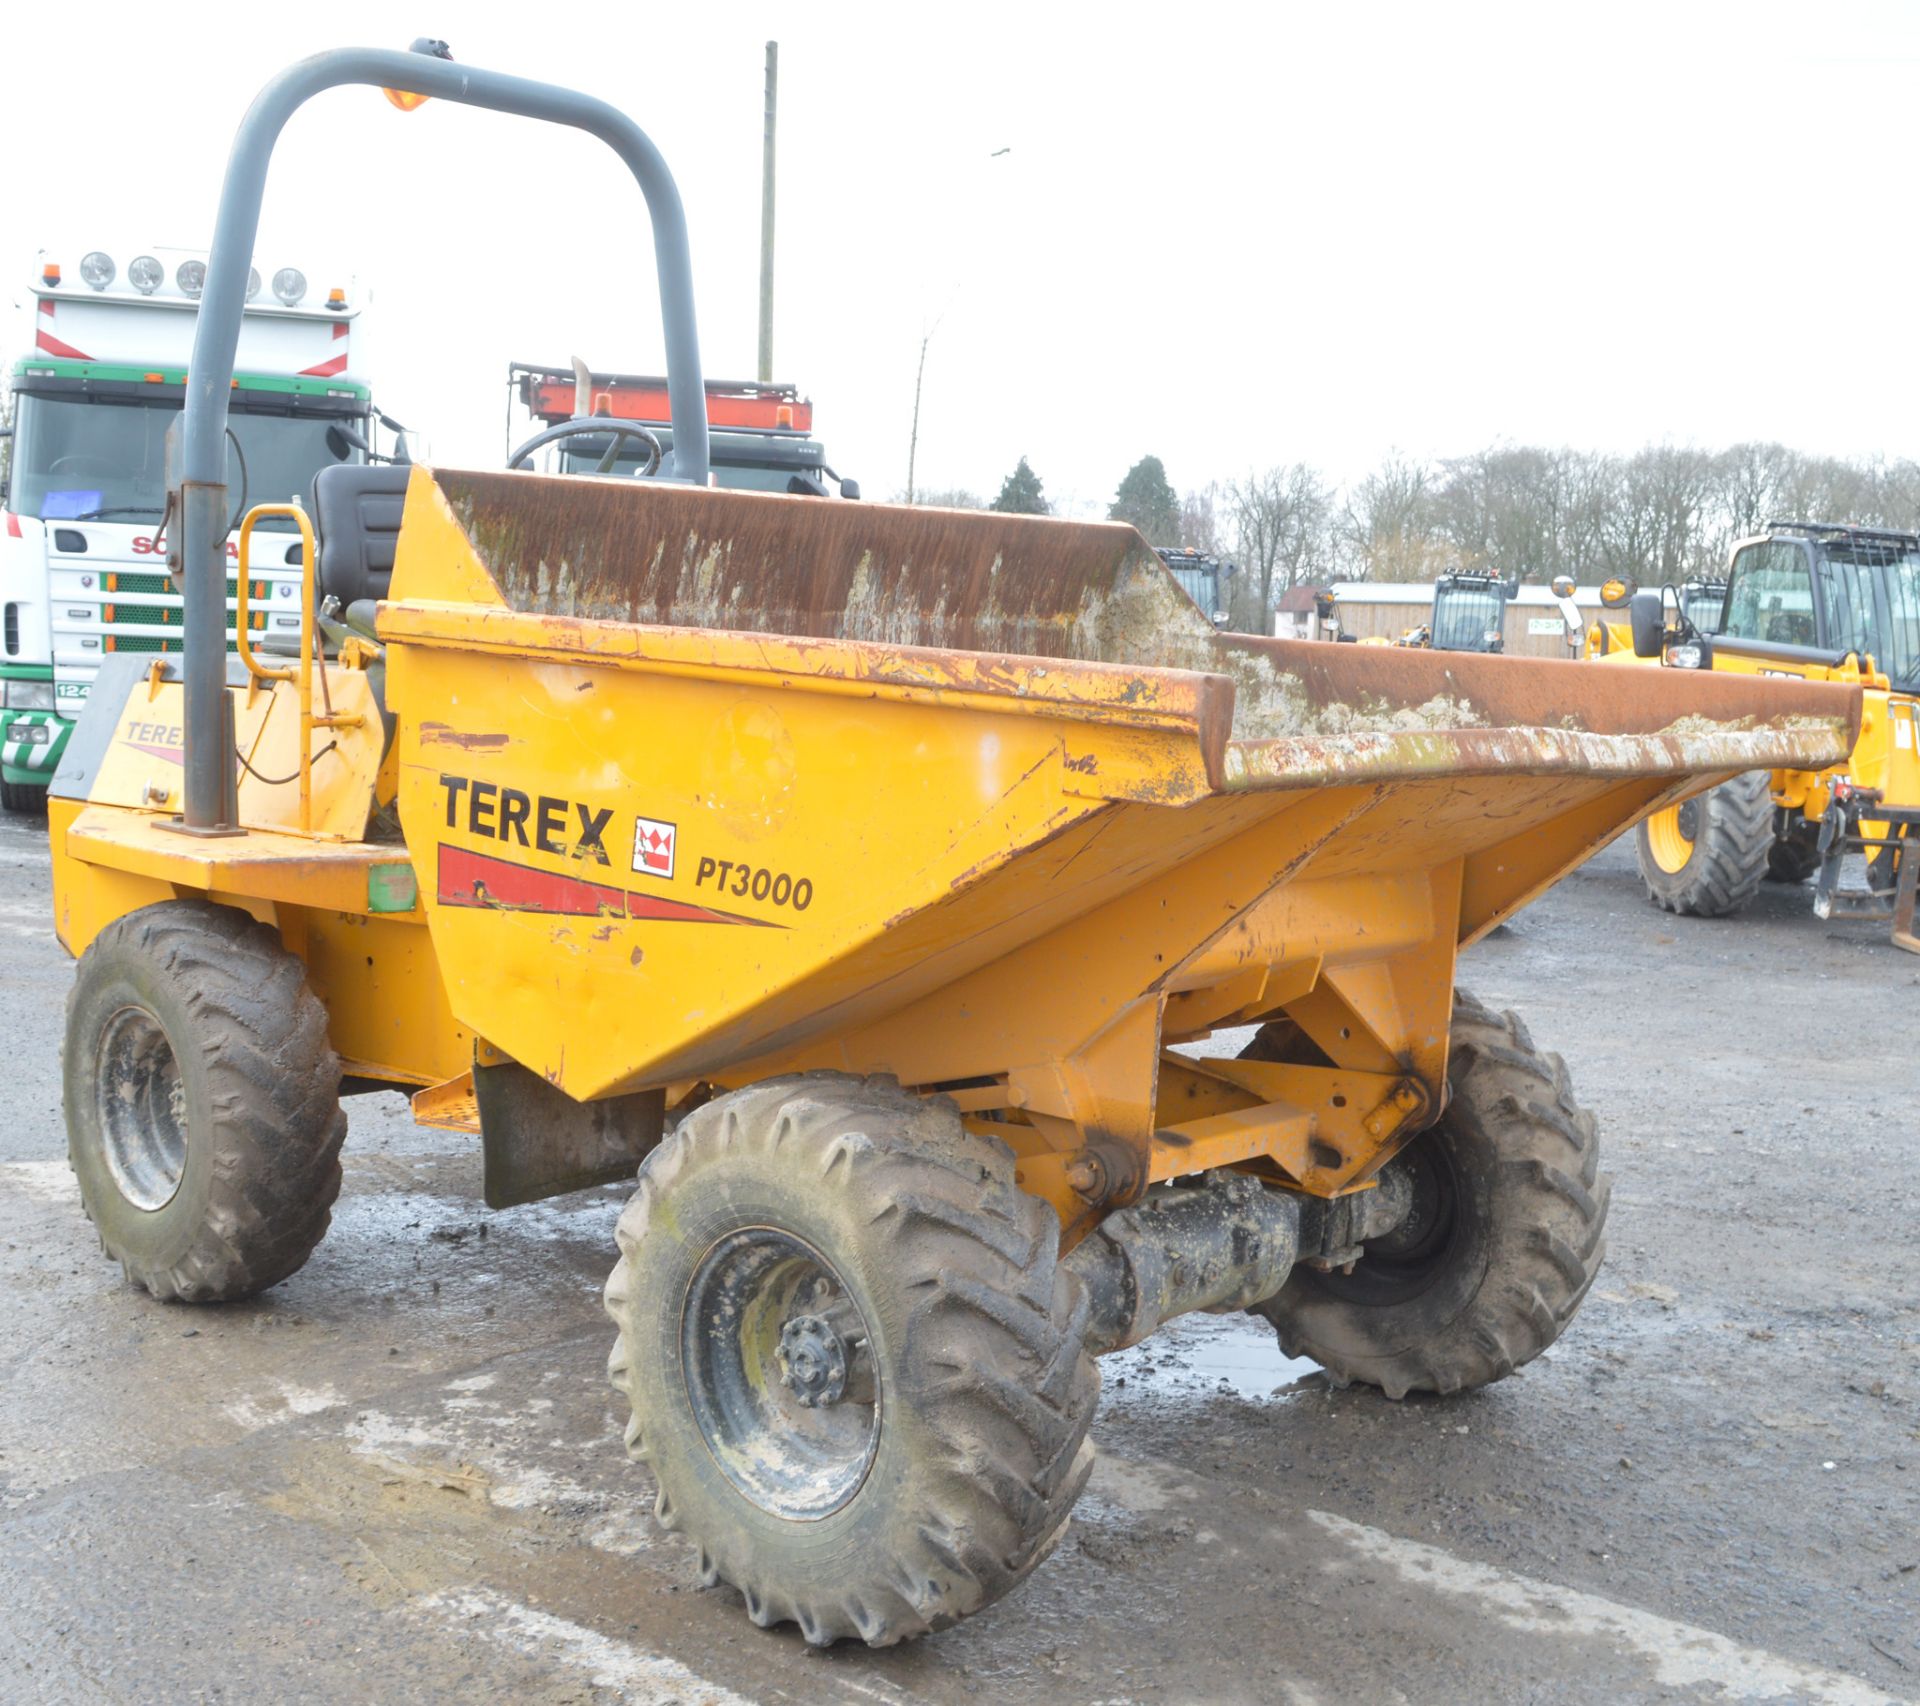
(848, 870)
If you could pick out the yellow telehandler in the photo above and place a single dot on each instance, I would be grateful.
(1815, 602)
(850, 871)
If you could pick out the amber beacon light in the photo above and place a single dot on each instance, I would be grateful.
(405, 99)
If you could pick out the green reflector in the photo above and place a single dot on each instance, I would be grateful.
(391, 888)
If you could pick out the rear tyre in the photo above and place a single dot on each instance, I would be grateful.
(1504, 1238)
(202, 1102)
(1707, 856)
(854, 1364)
(26, 798)
(1792, 860)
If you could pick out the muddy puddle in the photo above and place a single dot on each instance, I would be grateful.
(1205, 1356)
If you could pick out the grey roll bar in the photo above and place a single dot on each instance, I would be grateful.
(211, 780)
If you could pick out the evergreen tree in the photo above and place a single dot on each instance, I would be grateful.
(1147, 499)
(1021, 494)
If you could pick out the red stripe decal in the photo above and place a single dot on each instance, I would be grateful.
(172, 754)
(480, 880)
(326, 369)
(48, 344)
(13, 525)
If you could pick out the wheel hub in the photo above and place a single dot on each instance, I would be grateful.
(1402, 1261)
(1671, 834)
(140, 1102)
(1417, 1195)
(813, 1361)
(774, 1350)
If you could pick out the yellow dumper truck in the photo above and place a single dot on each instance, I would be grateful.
(853, 873)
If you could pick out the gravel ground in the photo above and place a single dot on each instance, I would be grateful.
(398, 1476)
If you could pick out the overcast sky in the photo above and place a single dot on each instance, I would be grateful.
(1230, 236)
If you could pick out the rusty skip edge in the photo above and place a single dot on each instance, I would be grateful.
(1308, 761)
(1309, 713)
(1178, 701)
(1386, 685)
(1349, 717)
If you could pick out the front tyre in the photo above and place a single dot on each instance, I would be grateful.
(1707, 856)
(24, 799)
(854, 1364)
(202, 1102)
(1503, 1239)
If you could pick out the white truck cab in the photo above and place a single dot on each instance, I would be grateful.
(83, 552)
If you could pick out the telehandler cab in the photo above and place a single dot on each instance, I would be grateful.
(1469, 614)
(851, 871)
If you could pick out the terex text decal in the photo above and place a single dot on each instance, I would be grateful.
(156, 740)
(507, 814)
(578, 832)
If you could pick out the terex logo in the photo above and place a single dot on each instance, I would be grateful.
(506, 814)
(156, 740)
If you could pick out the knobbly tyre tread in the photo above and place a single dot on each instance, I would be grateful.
(1792, 859)
(1512, 1119)
(991, 1367)
(27, 799)
(271, 1125)
(1730, 854)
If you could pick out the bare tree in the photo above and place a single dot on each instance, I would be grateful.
(1657, 528)
(1387, 526)
(949, 497)
(1589, 484)
(1665, 513)
(1501, 510)
(1199, 519)
(1898, 494)
(1749, 484)
(1824, 488)
(1282, 528)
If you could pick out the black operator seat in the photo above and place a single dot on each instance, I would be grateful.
(356, 513)
(1791, 628)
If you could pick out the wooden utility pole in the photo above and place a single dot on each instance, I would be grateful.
(913, 441)
(766, 218)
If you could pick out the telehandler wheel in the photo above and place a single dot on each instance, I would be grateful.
(202, 1101)
(855, 1366)
(1502, 1242)
(27, 798)
(1792, 859)
(1706, 857)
